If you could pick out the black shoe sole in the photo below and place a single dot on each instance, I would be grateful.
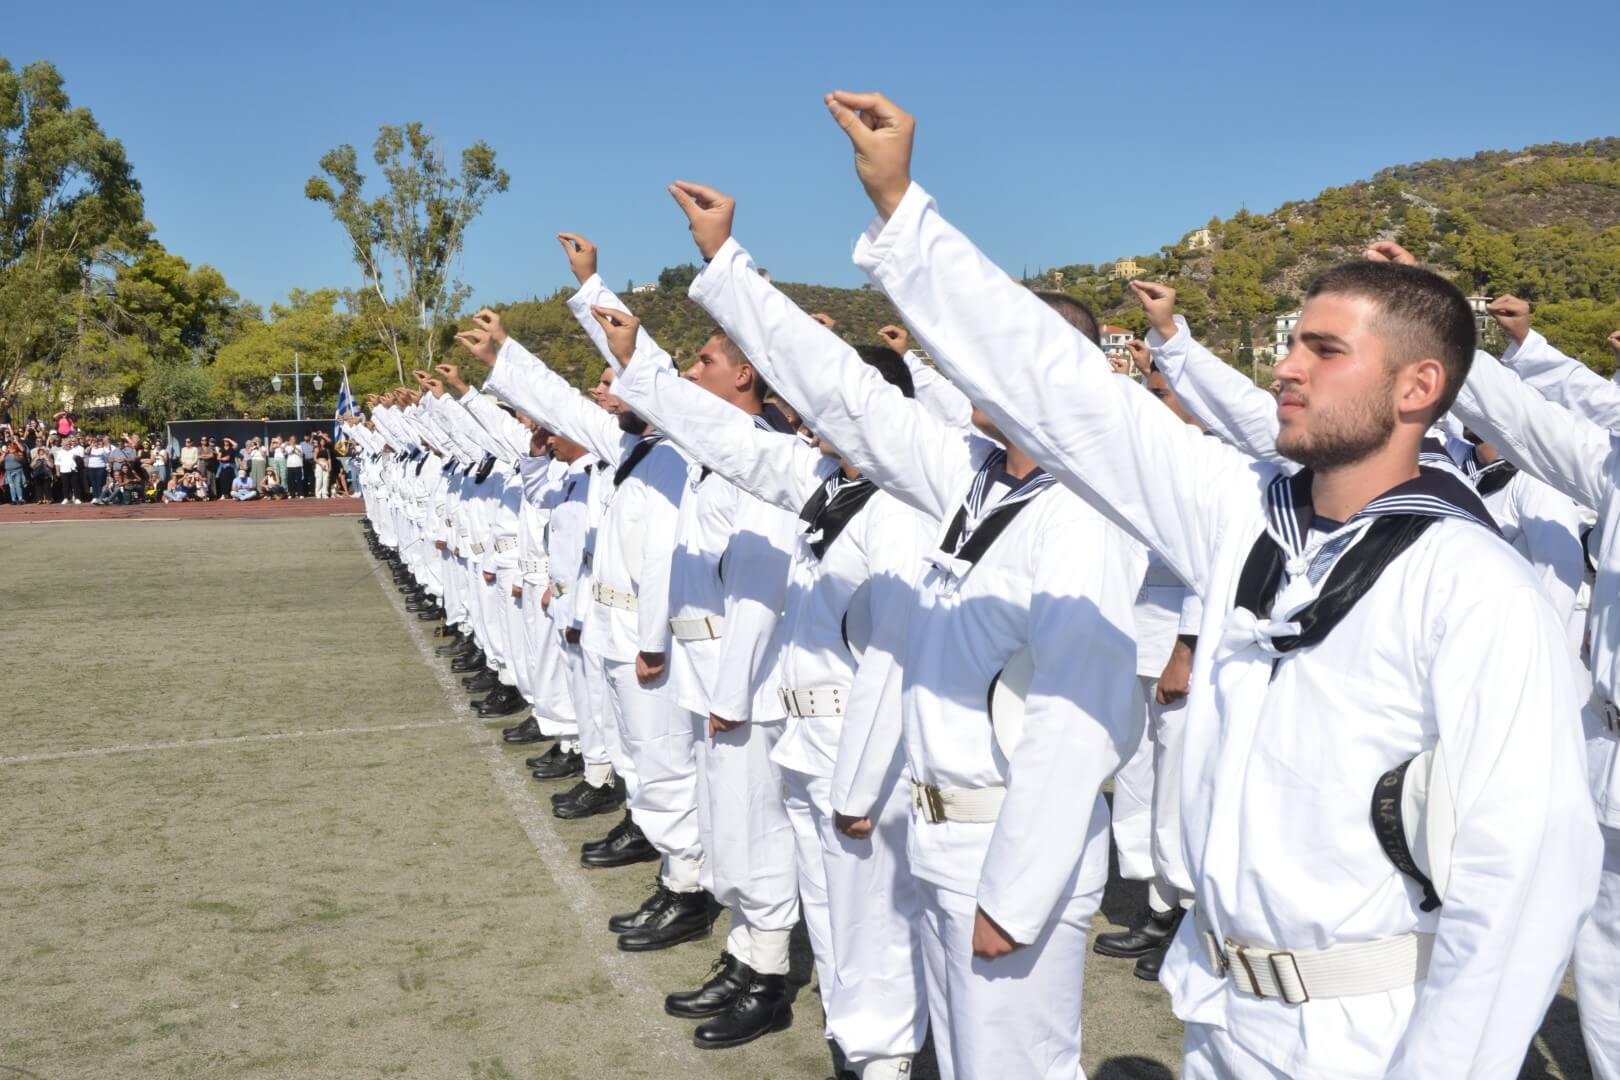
(670, 943)
(781, 1022)
(1144, 976)
(542, 774)
(571, 813)
(1121, 954)
(525, 740)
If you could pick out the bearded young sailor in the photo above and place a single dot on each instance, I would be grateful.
(726, 585)
(1357, 613)
(1563, 447)
(1146, 807)
(1008, 882)
(860, 907)
(628, 625)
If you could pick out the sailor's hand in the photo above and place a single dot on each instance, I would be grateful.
(708, 213)
(856, 828)
(490, 322)
(1176, 677)
(620, 328)
(825, 319)
(452, 377)
(1389, 251)
(1614, 342)
(489, 578)
(480, 344)
(1512, 314)
(581, 255)
(989, 940)
(717, 725)
(895, 337)
(1159, 301)
(881, 133)
(517, 592)
(650, 666)
(1141, 355)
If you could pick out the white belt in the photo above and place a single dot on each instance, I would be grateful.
(937, 804)
(821, 701)
(611, 597)
(1607, 713)
(477, 548)
(706, 628)
(560, 588)
(503, 544)
(1298, 975)
(532, 566)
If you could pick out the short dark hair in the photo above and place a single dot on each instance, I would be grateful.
(1074, 312)
(1421, 316)
(890, 366)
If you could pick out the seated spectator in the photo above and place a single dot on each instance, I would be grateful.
(174, 491)
(271, 486)
(242, 487)
(199, 486)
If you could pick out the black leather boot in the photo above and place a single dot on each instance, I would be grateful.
(728, 978)
(473, 661)
(629, 847)
(758, 1010)
(686, 917)
(455, 643)
(525, 732)
(1148, 967)
(480, 681)
(591, 801)
(1151, 935)
(631, 920)
(558, 764)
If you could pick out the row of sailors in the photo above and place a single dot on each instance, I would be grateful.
(877, 671)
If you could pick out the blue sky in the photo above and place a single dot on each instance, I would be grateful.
(1052, 132)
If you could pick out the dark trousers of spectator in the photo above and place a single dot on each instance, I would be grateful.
(222, 481)
(97, 479)
(295, 480)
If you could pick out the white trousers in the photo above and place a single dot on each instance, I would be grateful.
(1207, 1053)
(1017, 1015)
(585, 679)
(861, 907)
(1147, 810)
(513, 632)
(549, 678)
(743, 829)
(1597, 967)
(662, 776)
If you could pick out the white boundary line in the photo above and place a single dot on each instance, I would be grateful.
(646, 1010)
(224, 740)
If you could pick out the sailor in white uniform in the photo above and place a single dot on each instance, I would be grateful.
(1357, 614)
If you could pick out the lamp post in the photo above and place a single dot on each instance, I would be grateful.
(298, 388)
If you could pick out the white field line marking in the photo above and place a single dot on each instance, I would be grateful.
(224, 740)
(646, 1009)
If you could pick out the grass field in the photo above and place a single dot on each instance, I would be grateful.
(251, 830)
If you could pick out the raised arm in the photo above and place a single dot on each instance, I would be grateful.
(519, 377)
(1560, 379)
(934, 391)
(1237, 411)
(1547, 441)
(1047, 387)
(594, 292)
(770, 465)
(889, 437)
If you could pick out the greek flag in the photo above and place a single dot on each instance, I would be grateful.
(345, 407)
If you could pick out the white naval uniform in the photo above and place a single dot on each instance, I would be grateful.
(728, 575)
(1146, 817)
(544, 479)
(1058, 581)
(1567, 442)
(1455, 641)
(656, 745)
(859, 903)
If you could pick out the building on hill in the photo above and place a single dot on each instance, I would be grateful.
(648, 287)
(1283, 335)
(1125, 268)
(1114, 340)
(1199, 240)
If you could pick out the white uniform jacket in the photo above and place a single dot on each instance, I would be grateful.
(1455, 641)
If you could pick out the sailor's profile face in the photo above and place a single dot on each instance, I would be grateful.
(1336, 390)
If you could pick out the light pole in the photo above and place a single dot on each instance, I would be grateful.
(298, 389)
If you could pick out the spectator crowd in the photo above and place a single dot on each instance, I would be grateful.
(59, 463)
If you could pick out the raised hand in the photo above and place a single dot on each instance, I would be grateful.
(481, 344)
(825, 320)
(452, 377)
(1389, 251)
(581, 255)
(436, 386)
(708, 213)
(1141, 355)
(1159, 301)
(881, 133)
(490, 322)
(620, 328)
(420, 376)
(1512, 314)
(1614, 342)
(895, 337)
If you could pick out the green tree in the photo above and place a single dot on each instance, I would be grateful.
(68, 203)
(405, 240)
(1417, 232)
(677, 277)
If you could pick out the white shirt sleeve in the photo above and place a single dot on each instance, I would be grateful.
(769, 465)
(1051, 391)
(1233, 408)
(664, 474)
(1551, 528)
(890, 438)
(755, 579)
(937, 394)
(549, 399)
(1565, 381)
(595, 292)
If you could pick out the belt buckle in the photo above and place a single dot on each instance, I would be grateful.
(1234, 949)
(1290, 990)
(936, 804)
(785, 698)
(1609, 716)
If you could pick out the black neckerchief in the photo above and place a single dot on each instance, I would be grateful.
(1399, 517)
(483, 469)
(769, 419)
(832, 507)
(633, 458)
(1489, 479)
(974, 528)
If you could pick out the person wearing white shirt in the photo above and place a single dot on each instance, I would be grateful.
(67, 469)
(1357, 614)
(627, 626)
(1009, 879)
